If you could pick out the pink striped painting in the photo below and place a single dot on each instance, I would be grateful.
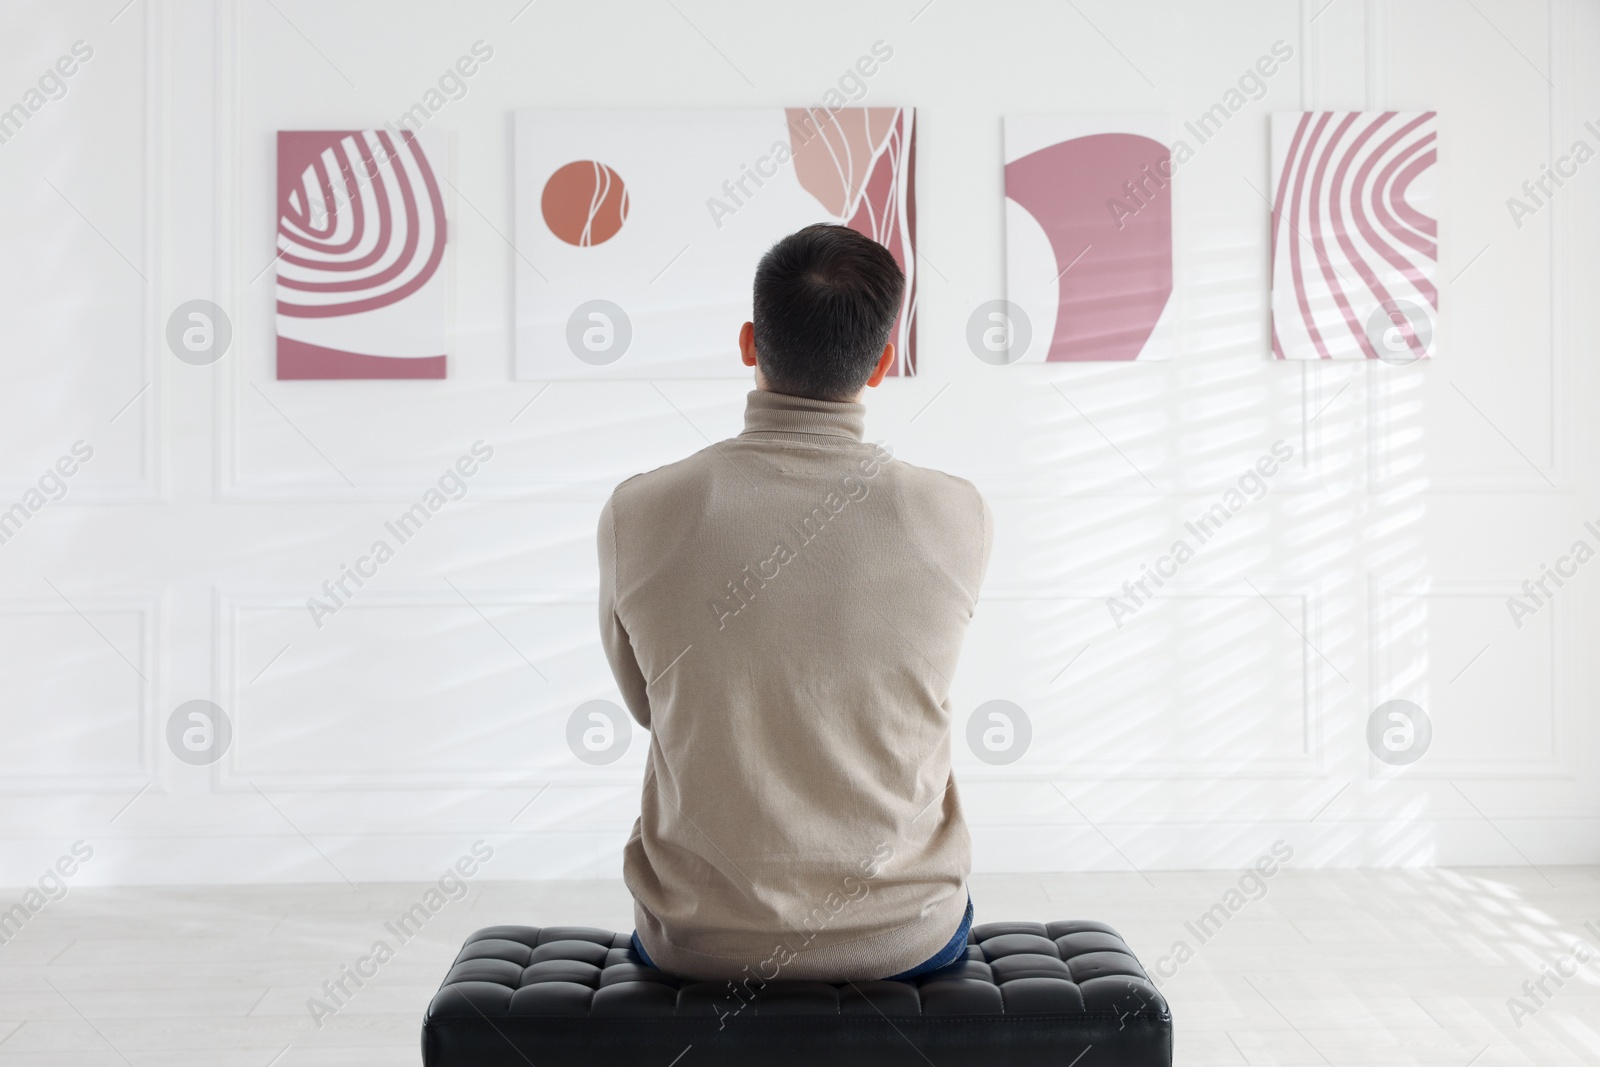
(1354, 240)
(361, 239)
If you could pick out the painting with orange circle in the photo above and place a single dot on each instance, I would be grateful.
(647, 225)
(584, 203)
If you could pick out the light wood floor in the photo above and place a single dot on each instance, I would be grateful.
(1335, 967)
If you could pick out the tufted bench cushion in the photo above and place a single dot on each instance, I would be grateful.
(1026, 994)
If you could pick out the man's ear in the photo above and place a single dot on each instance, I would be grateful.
(747, 344)
(885, 361)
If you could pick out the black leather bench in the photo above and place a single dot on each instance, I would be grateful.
(1026, 994)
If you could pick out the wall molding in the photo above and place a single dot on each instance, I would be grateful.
(149, 657)
(233, 678)
(1382, 476)
(1560, 761)
(154, 174)
(1314, 687)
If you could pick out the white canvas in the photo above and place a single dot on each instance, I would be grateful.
(703, 194)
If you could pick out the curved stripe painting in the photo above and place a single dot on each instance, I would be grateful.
(1354, 239)
(1089, 236)
(361, 239)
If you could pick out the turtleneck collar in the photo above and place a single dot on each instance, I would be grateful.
(769, 412)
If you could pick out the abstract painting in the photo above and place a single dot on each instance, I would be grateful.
(361, 240)
(638, 232)
(1355, 246)
(1089, 237)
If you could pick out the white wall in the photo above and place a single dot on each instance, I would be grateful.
(381, 745)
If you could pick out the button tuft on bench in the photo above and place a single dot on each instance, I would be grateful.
(1026, 994)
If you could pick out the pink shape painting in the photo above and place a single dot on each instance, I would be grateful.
(1089, 236)
(1354, 239)
(361, 239)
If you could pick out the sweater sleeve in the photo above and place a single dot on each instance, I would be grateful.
(613, 636)
(986, 536)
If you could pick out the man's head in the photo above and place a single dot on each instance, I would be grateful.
(826, 299)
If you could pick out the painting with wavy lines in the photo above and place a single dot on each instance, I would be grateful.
(860, 164)
(1355, 248)
(661, 217)
(361, 239)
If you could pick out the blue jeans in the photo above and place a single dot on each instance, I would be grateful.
(953, 950)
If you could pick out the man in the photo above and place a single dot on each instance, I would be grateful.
(783, 611)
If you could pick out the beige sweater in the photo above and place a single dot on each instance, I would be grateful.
(783, 611)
